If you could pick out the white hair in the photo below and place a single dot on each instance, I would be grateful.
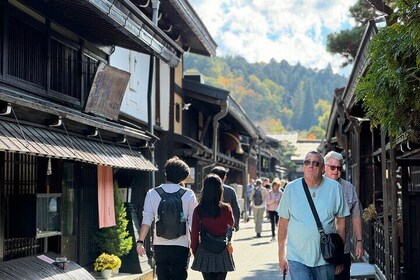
(334, 155)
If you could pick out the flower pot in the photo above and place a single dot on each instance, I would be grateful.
(106, 273)
(115, 271)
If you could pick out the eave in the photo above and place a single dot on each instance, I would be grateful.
(109, 23)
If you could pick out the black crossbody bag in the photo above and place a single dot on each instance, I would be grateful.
(332, 246)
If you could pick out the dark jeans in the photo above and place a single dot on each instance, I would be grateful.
(171, 262)
(274, 220)
(214, 275)
(345, 274)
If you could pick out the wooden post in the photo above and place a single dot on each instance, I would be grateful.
(394, 201)
(385, 202)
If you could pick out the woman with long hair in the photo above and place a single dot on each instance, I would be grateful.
(215, 217)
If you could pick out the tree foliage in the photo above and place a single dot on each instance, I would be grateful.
(391, 87)
(286, 151)
(270, 91)
(116, 240)
(346, 42)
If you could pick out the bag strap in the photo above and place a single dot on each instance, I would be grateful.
(160, 192)
(311, 204)
(180, 192)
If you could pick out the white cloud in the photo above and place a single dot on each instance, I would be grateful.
(259, 30)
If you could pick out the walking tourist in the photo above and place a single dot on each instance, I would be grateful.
(297, 228)
(258, 206)
(172, 235)
(272, 201)
(333, 169)
(249, 189)
(229, 194)
(212, 217)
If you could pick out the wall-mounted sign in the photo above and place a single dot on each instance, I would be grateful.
(107, 91)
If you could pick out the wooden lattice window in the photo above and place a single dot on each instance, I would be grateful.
(65, 70)
(90, 65)
(20, 174)
(18, 191)
(415, 177)
(27, 59)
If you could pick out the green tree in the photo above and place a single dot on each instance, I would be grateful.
(116, 240)
(346, 42)
(390, 89)
(286, 151)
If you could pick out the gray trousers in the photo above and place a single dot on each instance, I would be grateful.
(258, 218)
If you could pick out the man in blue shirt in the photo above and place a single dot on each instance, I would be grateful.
(297, 225)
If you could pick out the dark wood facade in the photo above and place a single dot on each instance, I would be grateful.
(385, 172)
(215, 131)
(49, 147)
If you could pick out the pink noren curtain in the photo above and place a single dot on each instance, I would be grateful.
(106, 197)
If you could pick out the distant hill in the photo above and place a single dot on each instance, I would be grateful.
(275, 95)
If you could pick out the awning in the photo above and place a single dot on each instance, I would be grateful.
(44, 142)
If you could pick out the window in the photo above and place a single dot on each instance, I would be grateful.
(65, 71)
(90, 65)
(27, 52)
(33, 54)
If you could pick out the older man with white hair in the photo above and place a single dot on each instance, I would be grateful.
(333, 168)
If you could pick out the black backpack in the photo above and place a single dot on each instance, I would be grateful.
(170, 223)
(257, 196)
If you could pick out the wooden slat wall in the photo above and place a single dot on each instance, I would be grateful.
(19, 178)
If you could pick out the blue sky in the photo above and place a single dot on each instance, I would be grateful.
(293, 30)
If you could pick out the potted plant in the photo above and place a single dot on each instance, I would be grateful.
(116, 240)
(105, 264)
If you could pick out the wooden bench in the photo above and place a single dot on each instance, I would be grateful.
(362, 270)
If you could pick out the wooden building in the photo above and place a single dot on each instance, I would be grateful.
(60, 119)
(385, 172)
(211, 129)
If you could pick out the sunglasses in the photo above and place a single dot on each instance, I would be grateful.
(313, 163)
(333, 167)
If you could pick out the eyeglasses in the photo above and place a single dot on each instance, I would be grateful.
(313, 163)
(333, 167)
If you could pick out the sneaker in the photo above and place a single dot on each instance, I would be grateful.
(258, 235)
(273, 238)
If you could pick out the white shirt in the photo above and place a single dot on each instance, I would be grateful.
(151, 204)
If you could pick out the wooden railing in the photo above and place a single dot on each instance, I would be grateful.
(381, 255)
(21, 247)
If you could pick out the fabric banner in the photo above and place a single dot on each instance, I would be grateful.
(106, 197)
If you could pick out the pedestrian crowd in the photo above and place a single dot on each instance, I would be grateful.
(302, 213)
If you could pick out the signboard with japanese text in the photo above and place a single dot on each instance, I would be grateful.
(107, 91)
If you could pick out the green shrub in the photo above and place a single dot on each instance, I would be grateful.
(116, 240)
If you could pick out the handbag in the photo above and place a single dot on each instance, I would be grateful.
(332, 246)
(215, 244)
(208, 241)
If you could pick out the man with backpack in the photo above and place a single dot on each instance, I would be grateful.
(258, 206)
(171, 206)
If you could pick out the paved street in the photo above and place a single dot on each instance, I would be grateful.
(255, 258)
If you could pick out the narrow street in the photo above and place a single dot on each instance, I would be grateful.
(255, 258)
